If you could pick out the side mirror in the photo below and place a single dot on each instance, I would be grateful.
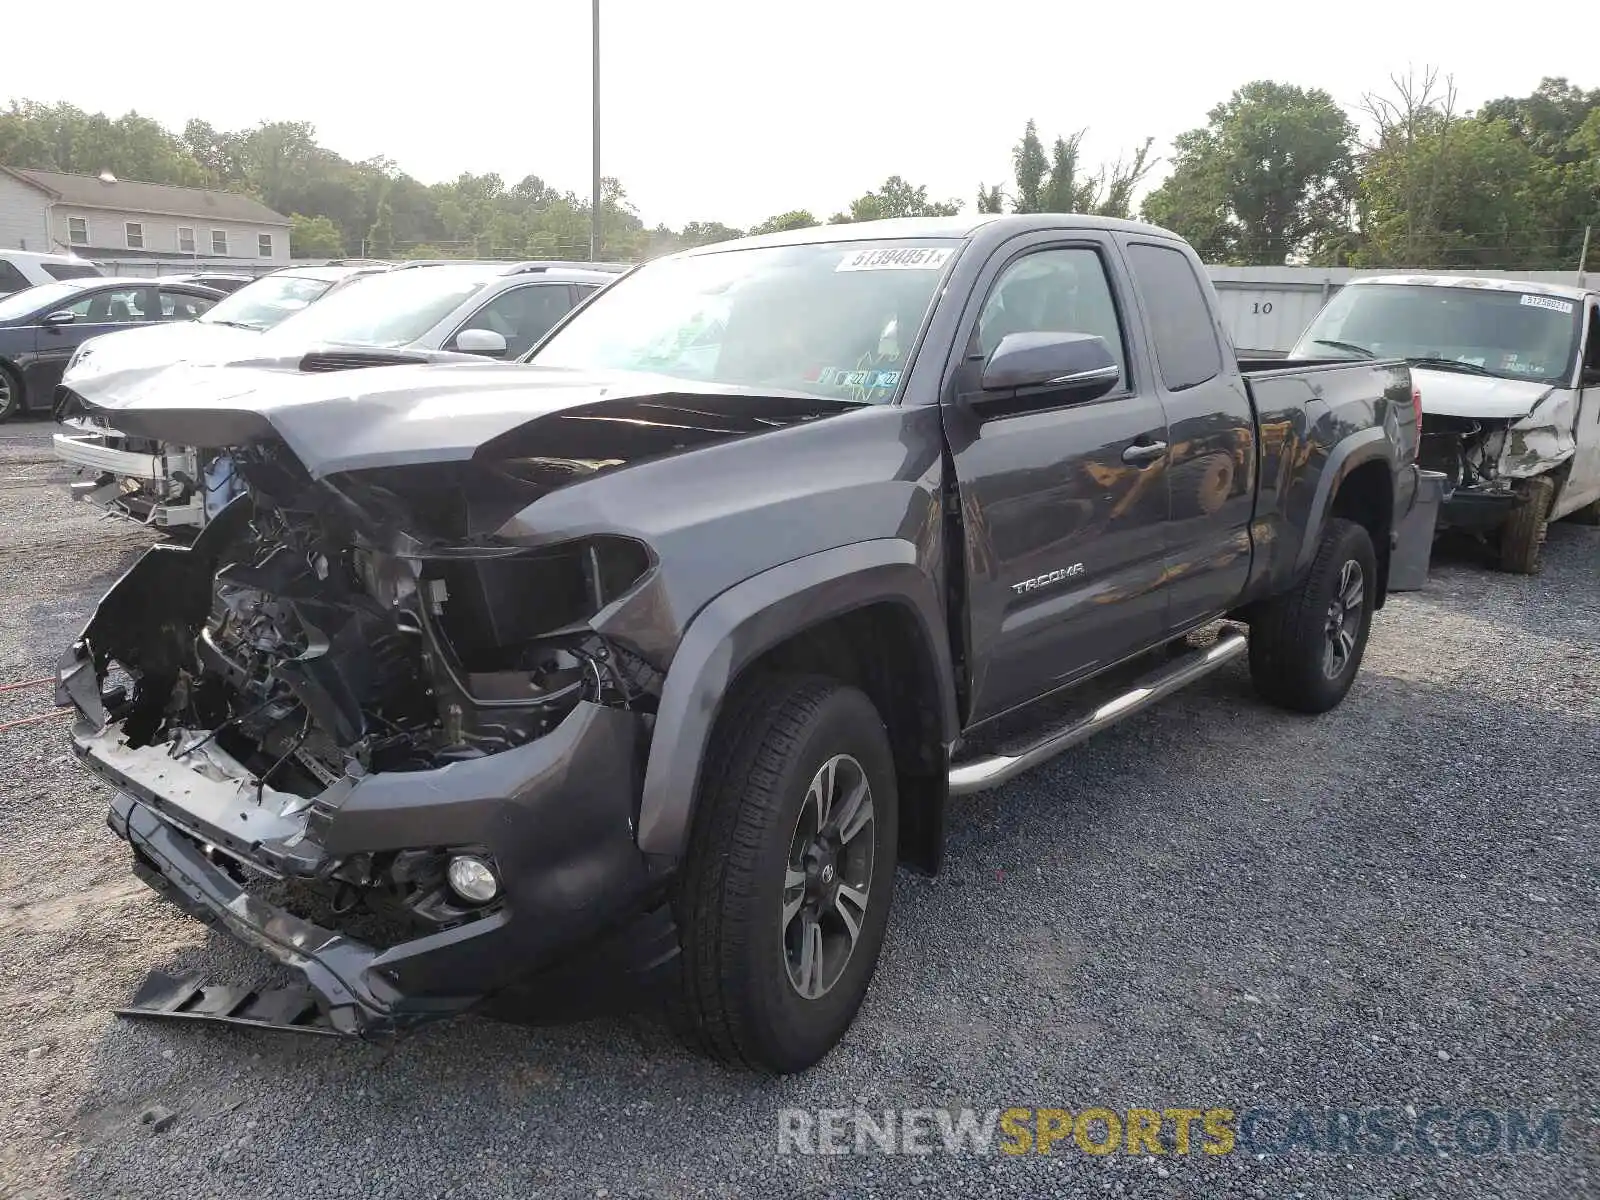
(481, 341)
(1076, 366)
(64, 317)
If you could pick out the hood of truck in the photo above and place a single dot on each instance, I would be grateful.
(338, 421)
(157, 347)
(1478, 397)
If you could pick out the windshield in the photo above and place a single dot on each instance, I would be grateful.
(44, 296)
(1515, 335)
(389, 309)
(834, 320)
(267, 301)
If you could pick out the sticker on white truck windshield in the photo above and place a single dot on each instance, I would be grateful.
(1553, 303)
(893, 260)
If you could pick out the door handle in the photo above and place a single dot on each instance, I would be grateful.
(1141, 453)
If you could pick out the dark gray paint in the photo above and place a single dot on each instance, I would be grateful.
(757, 530)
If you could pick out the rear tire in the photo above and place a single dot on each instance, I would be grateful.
(1299, 659)
(1521, 545)
(752, 949)
(11, 397)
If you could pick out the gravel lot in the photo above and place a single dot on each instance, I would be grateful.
(1215, 905)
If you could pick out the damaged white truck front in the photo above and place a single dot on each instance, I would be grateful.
(1509, 374)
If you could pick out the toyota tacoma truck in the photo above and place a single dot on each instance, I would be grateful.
(639, 667)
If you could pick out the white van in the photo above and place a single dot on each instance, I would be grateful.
(21, 269)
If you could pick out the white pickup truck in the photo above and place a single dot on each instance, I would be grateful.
(1509, 373)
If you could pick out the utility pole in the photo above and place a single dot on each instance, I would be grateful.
(594, 214)
(1583, 255)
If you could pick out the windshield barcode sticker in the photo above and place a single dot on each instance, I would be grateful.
(893, 260)
(1553, 303)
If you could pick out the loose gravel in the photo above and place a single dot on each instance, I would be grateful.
(1214, 905)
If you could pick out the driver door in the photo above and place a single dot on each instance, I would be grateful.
(1064, 503)
(1583, 480)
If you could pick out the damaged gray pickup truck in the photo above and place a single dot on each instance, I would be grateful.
(640, 667)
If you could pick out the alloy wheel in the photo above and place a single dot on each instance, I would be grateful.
(829, 876)
(1343, 625)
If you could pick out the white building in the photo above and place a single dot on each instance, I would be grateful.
(103, 217)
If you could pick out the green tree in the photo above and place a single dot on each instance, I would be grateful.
(1271, 174)
(1441, 190)
(704, 233)
(1117, 182)
(896, 198)
(1030, 168)
(1064, 190)
(1560, 124)
(797, 218)
(314, 237)
(989, 200)
(60, 137)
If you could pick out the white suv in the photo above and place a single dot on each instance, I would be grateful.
(24, 269)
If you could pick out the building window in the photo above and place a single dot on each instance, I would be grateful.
(135, 232)
(185, 239)
(219, 241)
(264, 245)
(78, 231)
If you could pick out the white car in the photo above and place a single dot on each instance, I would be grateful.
(151, 482)
(1509, 373)
(21, 269)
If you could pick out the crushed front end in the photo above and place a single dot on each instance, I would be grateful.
(403, 765)
(1487, 457)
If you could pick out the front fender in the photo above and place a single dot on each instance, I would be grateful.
(747, 620)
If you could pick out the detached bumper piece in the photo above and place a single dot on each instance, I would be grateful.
(1478, 510)
(174, 998)
(342, 990)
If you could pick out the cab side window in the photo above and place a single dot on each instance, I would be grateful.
(1062, 290)
(1591, 353)
(109, 307)
(1180, 316)
(183, 306)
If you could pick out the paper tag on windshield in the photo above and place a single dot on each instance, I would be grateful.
(908, 259)
(1553, 303)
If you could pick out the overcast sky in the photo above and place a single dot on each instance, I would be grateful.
(734, 110)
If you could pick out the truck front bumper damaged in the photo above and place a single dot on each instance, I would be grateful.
(576, 919)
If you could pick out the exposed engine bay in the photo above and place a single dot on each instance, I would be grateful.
(331, 644)
(1466, 449)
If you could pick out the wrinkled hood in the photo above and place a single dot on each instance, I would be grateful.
(391, 416)
(114, 372)
(158, 346)
(1457, 394)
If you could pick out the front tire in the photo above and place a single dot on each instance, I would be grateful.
(1306, 645)
(11, 398)
(1522, 536)
(785, 894)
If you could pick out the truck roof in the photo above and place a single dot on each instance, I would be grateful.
(932, 227)
(1493, 283)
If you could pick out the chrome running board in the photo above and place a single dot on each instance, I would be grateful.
(995, 769)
